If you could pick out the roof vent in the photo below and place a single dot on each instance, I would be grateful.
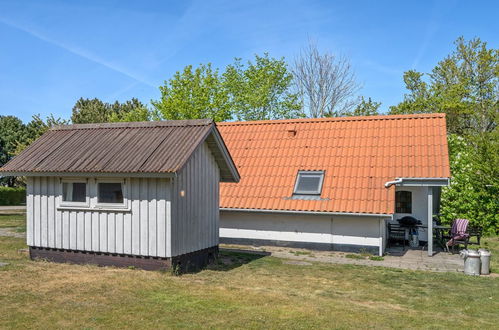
(291, 130)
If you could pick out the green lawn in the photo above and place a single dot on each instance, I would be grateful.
(240, 291)
(12, 220)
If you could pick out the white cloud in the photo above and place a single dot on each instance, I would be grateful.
(86, 54)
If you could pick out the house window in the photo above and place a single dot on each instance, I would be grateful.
(309, 183)
(403, 202)
(110, 193)
(74, 192)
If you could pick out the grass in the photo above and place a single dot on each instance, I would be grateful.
(354, 256)
(301, 253)
(492, 244)
(239, 291)
(13, 220)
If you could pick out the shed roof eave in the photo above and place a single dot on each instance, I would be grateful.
(93, 174)
(377, 215)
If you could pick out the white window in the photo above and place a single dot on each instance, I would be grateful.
(74, 193)
(309, 183)
(111, 193)
(403, 202)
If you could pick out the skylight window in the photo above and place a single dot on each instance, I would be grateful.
(309, 183)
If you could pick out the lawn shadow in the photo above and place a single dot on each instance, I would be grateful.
(229, 259)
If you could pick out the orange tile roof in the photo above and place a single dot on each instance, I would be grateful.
(358, 155)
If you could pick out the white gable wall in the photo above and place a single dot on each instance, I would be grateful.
(195, 212)
(419, 208)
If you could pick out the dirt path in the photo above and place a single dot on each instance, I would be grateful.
(13, 209)
(11, 232)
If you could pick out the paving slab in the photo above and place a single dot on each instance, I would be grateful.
(11, 232)
(409, 259)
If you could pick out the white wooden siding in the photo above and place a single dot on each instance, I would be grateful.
(141, 230)
(195, 207)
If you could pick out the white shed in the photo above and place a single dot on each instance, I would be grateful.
(125, 194)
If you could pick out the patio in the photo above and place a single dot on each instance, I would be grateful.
(413, 259)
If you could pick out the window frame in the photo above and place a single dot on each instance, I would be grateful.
(70, 204)
(403, 207)
(317, 192)
(112, 206)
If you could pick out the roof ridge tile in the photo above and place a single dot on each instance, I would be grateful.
(332, 119)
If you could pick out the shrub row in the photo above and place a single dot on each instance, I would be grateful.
(12, 196)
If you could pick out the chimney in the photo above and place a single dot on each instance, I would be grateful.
(291, 130)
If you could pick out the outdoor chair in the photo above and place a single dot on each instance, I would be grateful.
(396, 233)
(458, 234)
(474, 231)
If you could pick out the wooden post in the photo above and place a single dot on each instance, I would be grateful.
(429, 196)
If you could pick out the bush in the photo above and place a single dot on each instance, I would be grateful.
(473, 191)
(12, 196)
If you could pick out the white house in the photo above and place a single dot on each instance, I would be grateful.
(333, 183)
(126, 194)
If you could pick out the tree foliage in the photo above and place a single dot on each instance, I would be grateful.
(255, 91)
(465, 86)
(87, 111)
(261, 89)
(194, 94)
(364, 108)
(473, 191)
(15, 136)
(325, 82)
(12, 130)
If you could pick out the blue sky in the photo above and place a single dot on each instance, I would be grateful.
(54, 52)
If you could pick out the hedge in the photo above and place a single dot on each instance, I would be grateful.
(12, 196)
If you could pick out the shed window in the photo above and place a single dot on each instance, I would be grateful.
(309, 183)
(110, 193)
(74, 192)
(403, 202)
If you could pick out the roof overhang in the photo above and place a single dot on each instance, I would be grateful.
(377, 215)
(93, 174)
(228, 170)
(418, 182)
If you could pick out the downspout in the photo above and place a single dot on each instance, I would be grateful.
(390, 183)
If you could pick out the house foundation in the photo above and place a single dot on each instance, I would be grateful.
(188, 262)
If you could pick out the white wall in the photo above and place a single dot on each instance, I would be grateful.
(419, 208)
(195, 213)
(343, 230)
(139, 230)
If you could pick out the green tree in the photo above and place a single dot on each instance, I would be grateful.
(138, 114)
(474, 187)
(96, 111)
(257, 90)
(15, 136)
(364, 108)
(12, 130)
(194, 94)
(35, 128)
(465, 85)
(261, 89)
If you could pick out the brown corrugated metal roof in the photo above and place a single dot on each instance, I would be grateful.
(139, 147)
(358, 155)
